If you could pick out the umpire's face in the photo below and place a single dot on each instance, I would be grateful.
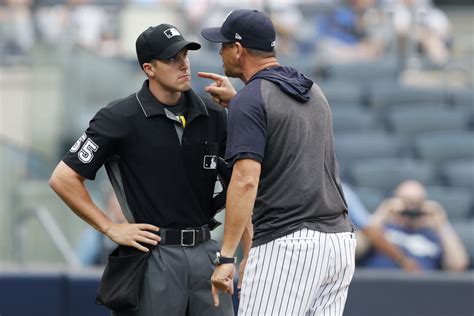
(174, 74)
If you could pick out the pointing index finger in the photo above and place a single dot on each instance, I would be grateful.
(210, 75)
(215, 295)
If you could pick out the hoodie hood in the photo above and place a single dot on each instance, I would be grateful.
(289, 80)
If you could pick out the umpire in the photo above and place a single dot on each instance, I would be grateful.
(160, 147)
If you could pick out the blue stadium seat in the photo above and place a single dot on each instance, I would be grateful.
(371, 197)
(301, 63)
(387, 173)
(443, 146)
(457, 202)
(420, 106)
(386, 93)
(465, 99)
(462, 97)
(341, 91)
(409, 122)
(364, 71)
(459, 173)
(351, 146)
(336, 106)
(354, 119)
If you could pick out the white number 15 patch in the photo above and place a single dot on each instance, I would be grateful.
(87, 150)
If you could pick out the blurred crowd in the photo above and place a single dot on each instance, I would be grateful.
(334, 31)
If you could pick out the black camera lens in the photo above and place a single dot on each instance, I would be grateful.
(414, 213)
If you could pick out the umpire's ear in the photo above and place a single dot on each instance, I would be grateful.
(148, 69)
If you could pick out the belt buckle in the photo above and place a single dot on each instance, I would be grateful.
(193, 231)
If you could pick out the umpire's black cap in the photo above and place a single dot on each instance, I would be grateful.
(161, 42)
(252, 28)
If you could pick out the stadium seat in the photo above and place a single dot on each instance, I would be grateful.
(457, 202)
(443, 146)
(420, 106)
(386, 93)
(354, 119)
(459, 173)
(336, 106)
(303, 64)
(351, 146)
(371, 197)
(409, 122)
(387, 173)
(364, 71)
(341, 91)
(462, 97)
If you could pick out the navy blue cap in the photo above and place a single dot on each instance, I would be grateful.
(161, 42)
(251, 28)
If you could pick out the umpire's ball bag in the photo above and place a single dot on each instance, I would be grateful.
(122, 280)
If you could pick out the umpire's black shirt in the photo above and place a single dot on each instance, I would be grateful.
(158, 179)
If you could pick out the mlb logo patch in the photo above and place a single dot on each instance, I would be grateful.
(210, 162)
(171, 32)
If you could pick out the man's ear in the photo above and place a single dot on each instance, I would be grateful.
(239, 49)
(148, 69)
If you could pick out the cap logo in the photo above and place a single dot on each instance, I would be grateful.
(172, 32)
(272, 44)
(237, 36)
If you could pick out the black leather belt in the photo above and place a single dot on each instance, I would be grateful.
(188, 237)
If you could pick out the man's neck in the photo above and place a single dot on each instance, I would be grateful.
(255, 65)
(163, 95)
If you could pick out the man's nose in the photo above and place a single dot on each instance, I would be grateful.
(183, 64)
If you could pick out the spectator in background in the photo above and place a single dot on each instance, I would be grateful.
(371, 235)
(345, 35)
(421, 228)
(90, 27)
(17, 30)
(289, 25)
(428, 27)
(52, 20)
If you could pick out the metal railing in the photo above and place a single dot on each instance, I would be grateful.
(51, 228)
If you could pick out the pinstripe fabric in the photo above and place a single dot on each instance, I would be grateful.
(304, 273)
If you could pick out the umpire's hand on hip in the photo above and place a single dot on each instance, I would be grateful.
(222, 280)
(221, 90)
(126, 234)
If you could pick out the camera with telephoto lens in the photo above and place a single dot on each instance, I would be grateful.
(412, 213)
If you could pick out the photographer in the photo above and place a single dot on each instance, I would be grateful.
(421, 228)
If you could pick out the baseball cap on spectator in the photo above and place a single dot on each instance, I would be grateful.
(161, 42)
(251, 28)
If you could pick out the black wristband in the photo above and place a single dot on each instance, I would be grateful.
(223, 260)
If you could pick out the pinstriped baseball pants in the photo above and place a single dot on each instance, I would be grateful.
(304, 273)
